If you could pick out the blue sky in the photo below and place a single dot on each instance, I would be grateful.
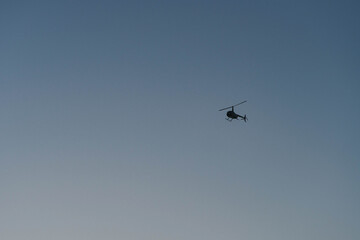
(110, 125)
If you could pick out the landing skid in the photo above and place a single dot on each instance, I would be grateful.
(230, 119)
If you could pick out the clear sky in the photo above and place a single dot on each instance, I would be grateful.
(110, 126)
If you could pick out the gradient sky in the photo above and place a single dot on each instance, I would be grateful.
(110, 126)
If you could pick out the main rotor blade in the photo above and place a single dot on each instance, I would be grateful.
(233, 105)
(225, 108)
(240, 103)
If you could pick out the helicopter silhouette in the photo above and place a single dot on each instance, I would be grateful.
(232, 115)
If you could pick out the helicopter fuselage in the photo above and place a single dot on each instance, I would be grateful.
(232, 114)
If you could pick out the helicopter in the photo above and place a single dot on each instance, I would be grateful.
(232, 115)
